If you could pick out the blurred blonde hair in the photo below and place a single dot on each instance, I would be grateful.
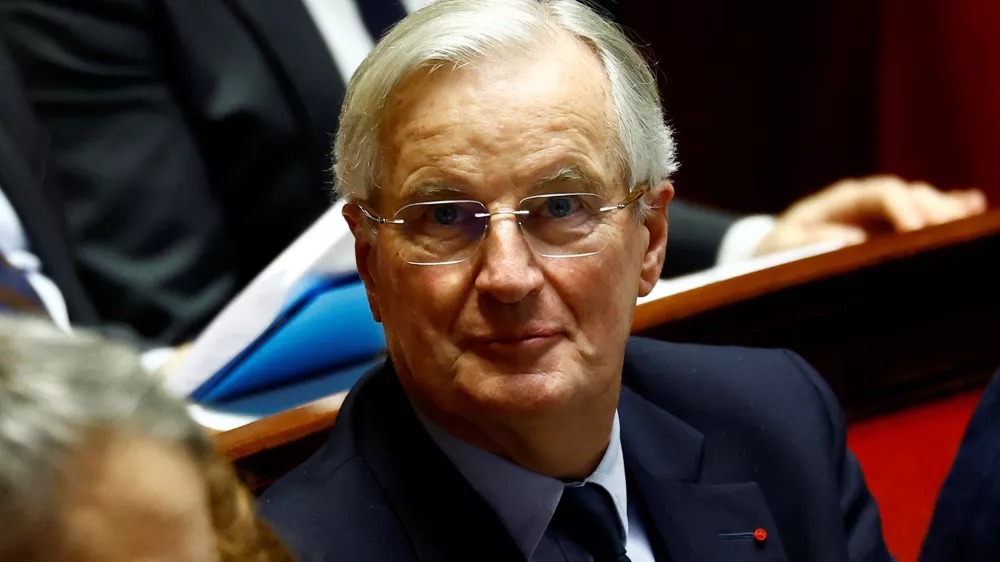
(57, 391)
(240, 535)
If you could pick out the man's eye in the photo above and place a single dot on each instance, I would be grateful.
(560, 207)
(445, 214)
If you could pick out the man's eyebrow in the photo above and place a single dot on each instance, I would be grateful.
(573, 174)
(432, 190)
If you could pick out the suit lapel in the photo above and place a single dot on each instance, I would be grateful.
(23, 192)
(443, 516)
(694, 521)
(17, 118)
(290, 38)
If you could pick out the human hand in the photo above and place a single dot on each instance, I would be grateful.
(851, 210)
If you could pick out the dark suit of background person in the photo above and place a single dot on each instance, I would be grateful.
(966, 522)
(27, 181)
(717, 440)
(194, 138)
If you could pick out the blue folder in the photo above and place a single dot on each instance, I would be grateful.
(325, 327)
(270, 401)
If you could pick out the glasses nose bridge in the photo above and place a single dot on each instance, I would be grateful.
(514, 214)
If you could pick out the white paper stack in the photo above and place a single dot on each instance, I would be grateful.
(669, 287)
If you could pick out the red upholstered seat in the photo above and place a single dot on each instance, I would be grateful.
(905, 457)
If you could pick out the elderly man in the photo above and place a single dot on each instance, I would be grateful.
(966, 522)
(506, 164)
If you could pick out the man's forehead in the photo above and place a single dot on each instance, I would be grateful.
(563, 67)
(556, 99)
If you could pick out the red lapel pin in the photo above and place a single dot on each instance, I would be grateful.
(760, 535)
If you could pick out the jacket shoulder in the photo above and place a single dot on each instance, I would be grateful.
(340, 512)
(719, 386)
(332, 507)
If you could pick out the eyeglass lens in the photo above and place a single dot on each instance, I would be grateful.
(558, 225)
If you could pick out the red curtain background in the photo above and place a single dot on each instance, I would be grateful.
(774, 100)
(940, 92)
(769, 100)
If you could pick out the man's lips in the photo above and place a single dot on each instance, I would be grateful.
(525, 339)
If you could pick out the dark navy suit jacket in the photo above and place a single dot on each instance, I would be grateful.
(29, 183)
(966, 522)
(716, 440)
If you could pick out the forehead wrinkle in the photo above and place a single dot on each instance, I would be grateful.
(434, 160)
(438, 149)
(428, 129)
(511, 107)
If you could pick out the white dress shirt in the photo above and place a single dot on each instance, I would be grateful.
(526, 501)
(15, 248)
(343, 30)
(743, 237)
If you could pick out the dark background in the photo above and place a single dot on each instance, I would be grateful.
(774, 100)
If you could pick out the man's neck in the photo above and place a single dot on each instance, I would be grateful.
(566, 444)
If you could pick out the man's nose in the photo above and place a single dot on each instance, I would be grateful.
(508, 269)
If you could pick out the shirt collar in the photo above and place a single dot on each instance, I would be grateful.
(524, 500)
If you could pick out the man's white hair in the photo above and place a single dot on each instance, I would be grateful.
(463, 32)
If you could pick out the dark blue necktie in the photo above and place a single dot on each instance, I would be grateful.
(16, 293)
(380, 15)
(587, 515)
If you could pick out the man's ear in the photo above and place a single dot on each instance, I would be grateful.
(656, 225)
(364, 253)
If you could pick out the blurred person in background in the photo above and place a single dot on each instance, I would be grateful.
(98, 463)
(194, 140)
(36, 255)
(33, 235)
(966, 522)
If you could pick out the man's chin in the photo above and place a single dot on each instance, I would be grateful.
(520, 393)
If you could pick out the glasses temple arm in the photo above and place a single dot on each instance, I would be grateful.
(377, 218)
(633, 196)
